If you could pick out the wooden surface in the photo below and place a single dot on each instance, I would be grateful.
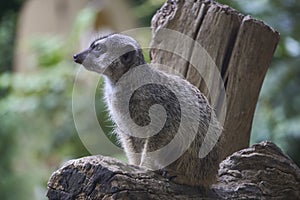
(98, 177)
(240, 47)
(259, 172)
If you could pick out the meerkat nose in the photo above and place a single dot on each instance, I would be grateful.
(80, 57)
(77, 59)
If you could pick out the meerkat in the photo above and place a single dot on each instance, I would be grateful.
(119, 59)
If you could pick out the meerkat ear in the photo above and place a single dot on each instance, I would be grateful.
(128, 57)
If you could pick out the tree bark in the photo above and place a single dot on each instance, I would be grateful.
(259, 172)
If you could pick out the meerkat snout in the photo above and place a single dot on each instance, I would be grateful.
(80, 57)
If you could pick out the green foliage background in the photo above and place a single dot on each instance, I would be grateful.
(37, 131)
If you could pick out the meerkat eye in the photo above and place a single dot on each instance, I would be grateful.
(99, 48)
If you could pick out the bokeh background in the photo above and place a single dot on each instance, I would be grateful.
(37, 41)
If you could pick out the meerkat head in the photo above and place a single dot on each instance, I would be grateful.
(112, 56)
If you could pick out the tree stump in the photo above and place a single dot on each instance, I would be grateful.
(241, 48)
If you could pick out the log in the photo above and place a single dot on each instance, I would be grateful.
(259, 172)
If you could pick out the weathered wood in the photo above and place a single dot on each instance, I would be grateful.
(218, 29)
(98, 177)
(184, 17)
(239, 46)
(259, 172)
(250, 59)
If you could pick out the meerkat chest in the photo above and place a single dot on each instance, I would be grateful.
(111, 102)
(117, 100)
(118, 95)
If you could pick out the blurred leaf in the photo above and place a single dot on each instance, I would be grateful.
(49, 51)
